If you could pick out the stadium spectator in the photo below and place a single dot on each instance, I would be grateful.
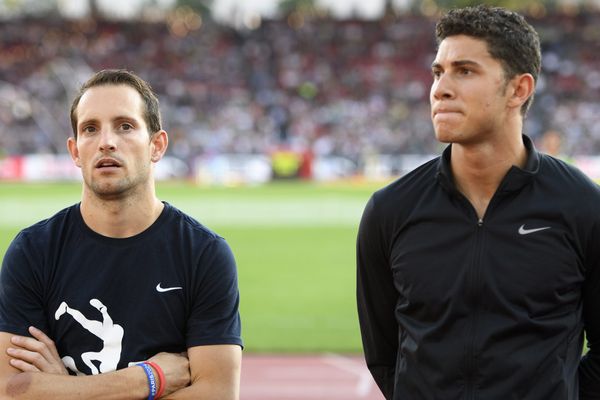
(162, 287)
(479, 271)
(347, 86)
(550, 143)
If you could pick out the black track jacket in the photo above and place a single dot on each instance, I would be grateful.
(453, 307)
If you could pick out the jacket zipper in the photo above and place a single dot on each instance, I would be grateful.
(475, 294)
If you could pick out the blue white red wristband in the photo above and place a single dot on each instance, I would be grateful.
(162, 381)
(151, 380)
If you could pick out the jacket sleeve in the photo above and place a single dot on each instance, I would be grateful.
(376, 299)
(589, 368)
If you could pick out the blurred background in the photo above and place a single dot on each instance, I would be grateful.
(283, 117)
(255, 90)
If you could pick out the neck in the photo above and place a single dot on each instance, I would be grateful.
(120, 217)
(478, 169)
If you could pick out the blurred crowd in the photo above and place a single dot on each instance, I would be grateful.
(327, 87)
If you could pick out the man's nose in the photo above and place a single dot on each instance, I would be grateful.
(107, 140)
(442, 88)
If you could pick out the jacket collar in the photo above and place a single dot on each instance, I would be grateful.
(515, 178)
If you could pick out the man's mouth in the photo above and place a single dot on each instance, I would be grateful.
(446, 111)
(108, 163)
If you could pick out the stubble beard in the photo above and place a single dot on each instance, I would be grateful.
(111, 190)
(107, 189)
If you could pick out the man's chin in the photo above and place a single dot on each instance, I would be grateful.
(109, 191)
(445, 137)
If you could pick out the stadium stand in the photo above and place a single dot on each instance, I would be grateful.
(327, 87)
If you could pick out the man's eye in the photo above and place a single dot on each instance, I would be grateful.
(89, 129)
(126, 127)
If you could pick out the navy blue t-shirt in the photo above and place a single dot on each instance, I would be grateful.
(110, 302)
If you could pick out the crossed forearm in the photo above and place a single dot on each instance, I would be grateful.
(128, 383)
(34, 370)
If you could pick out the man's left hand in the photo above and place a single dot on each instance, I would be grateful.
(35, 354)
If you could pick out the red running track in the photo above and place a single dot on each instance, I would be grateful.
(318, 377)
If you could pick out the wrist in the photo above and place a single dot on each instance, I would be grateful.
(152, 384)
(137, 383)
(161, 381)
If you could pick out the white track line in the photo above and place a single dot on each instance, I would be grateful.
(365, 381)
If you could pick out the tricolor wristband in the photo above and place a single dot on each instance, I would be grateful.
(162, 381)
(151, 380)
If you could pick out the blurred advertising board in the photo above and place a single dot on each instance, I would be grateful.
(245, 169)
(60, 167)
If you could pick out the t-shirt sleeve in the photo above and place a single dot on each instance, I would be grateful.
(214, 317)
(20, 292)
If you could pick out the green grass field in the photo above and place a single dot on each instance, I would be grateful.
(294, 245)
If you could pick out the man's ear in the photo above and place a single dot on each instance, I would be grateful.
(73, 151)
(159, 142)
(522, 88)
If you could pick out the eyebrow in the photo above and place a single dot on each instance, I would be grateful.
(87, 122)
(458, 63)
(115, 119)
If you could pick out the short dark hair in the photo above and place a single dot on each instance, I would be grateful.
(122, 77)
(509, 38)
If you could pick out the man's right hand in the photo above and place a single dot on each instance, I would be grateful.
(176, 368)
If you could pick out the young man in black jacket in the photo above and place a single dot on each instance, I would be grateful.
(478, 272)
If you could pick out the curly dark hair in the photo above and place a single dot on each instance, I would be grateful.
(122, 77)
(509, 38)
